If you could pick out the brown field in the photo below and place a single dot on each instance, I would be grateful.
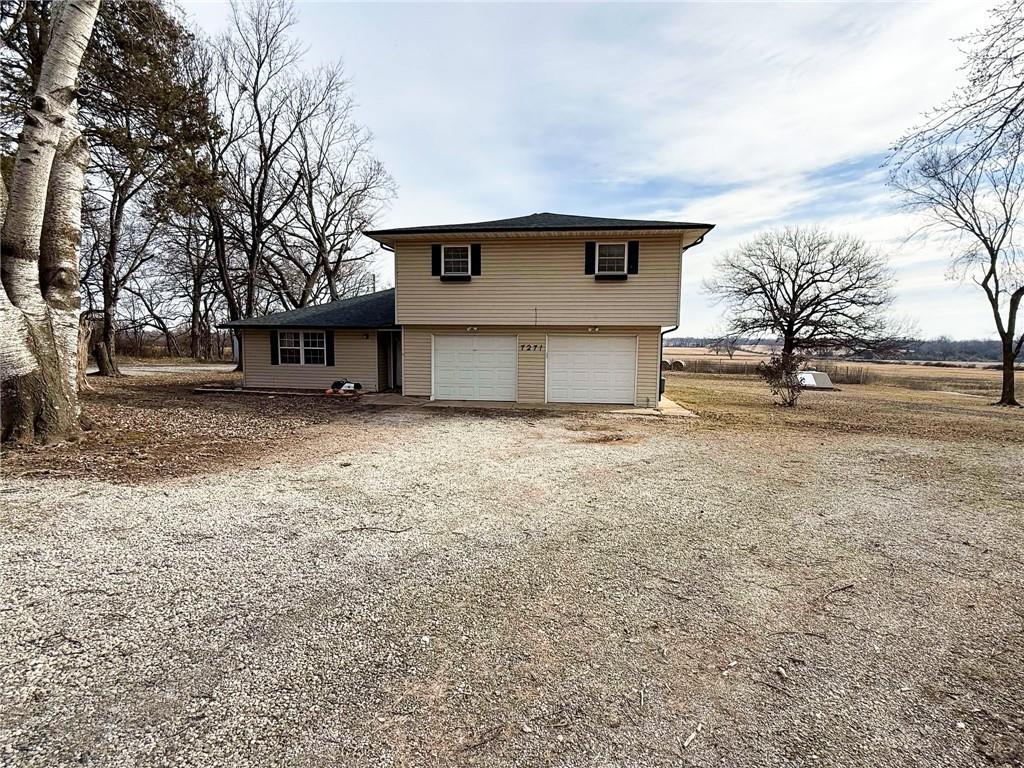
(743, 403)
(978, 379)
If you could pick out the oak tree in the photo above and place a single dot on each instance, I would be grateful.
(813, 289)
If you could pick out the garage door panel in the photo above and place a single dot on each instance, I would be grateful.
(591, 369)
(474, 367)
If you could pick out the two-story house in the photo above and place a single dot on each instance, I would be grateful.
(535, 309)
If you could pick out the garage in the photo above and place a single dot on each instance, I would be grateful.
(474, 367)
(591, 369)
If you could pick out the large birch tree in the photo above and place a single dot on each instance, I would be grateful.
(39, 239)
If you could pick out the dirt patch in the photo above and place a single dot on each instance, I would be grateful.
(154, 426)
(621, 438)
(590, 426)
(612, 429)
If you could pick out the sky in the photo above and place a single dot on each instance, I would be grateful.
(745, 115)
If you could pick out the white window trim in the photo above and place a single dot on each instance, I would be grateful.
(469, 260)
(597, 260)
(302, 348)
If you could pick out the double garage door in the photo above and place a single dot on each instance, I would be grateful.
(578, 369)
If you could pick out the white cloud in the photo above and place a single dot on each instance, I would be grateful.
(744, 115)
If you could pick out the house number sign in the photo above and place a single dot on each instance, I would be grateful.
(531, 347)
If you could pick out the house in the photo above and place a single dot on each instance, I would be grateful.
(534, 309)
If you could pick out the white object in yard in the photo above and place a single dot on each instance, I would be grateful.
(815, 380)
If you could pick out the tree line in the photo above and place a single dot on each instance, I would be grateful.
(225, 177)
(940, 348)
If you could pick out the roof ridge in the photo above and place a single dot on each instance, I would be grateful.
(545, 221)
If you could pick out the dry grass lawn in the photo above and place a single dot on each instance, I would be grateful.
(256, 581)
(743, 403)
(975, 379)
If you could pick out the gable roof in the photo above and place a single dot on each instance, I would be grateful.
(541, 222)
(371, 310)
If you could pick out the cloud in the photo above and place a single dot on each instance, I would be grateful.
(744, 115)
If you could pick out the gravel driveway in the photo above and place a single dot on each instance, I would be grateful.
(413, 588)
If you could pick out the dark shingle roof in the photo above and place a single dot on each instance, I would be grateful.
(371, 310)
(540, 222)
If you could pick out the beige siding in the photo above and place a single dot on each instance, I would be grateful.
(531, 367)
(527, 281)
(355, 358)
(648, 366)
(416, 363)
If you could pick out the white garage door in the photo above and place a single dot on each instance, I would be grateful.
(591, 369)
(474, 367)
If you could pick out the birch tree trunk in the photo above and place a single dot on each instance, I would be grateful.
(41, 231)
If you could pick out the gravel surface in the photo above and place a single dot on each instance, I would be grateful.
(425, 588)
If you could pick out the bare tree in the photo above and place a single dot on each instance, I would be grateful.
(986, 110)
(725, 344)
(292, 181)
(156, 309)
(318, 252)
(41, 230)
(267, 105)
(962, 170)
(141, 129)
(813, 289)
(977, 198)
(188, 277)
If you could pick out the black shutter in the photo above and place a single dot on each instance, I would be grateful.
(633, 263)
(589, 251)
(474, 268)
(273, 348)
(435, 260)
(329, 347)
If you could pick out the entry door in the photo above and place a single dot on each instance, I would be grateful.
(474, 367)
(591, 369)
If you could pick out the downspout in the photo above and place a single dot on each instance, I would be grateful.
(661, 347)
(661, 359)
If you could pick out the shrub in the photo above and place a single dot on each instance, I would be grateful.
(782, 375)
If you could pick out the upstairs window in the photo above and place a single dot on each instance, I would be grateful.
(611, 258)
(455, 260)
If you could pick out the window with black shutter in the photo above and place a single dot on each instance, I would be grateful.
(455, 263)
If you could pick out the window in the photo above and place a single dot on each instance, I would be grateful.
(611, 258)
(305, 348)
(313, 348)
(455, 260)
(289, 345)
